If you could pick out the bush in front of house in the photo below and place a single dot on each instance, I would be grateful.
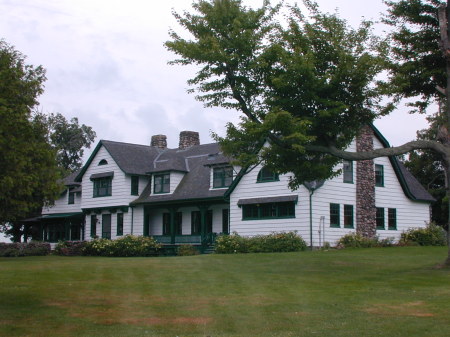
(431, 235)
(17, 249)
(187, 250)
(271, 243)
(356, 240)
(126, 246)
(70, 248)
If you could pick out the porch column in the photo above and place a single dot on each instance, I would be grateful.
(146, 229)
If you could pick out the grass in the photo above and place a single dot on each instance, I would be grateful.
(365, 292)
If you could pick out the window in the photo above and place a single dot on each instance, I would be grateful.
(195, 223)
(222, 177)
(379, 175)
(161, 183)
(119, 224)
(276, 210)
(106, 226)
(225, 225)
(134, 185)
(348, 216)
(392, 218)
(102, 187)
(103, 162)
(380, 218)
(93, 226)
(71, 198)
(348, 171)
(266, 175)
(178, 223)
(334, 215)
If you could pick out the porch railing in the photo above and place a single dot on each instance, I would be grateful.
(179, 239)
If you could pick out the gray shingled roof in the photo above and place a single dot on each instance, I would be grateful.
(195, 184)
(414, 186)
(132, 158)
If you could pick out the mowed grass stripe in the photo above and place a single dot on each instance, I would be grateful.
(370, 292)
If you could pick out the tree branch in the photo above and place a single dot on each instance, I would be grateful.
(390, 151)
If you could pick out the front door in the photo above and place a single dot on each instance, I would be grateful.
(106, 226)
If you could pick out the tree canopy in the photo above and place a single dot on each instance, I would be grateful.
(69, 139)
(299, 82)
(28, 170)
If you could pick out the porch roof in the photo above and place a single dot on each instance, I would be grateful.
(267, 200)
(61, 215)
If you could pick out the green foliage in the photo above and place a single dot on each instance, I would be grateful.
(271, 243)
(70, 248)
(128, 245)
(187, 250)
(17, 249)
(69, 139)
(307, 81)
(356, 240)
(432, 235)
(28, 171)
(417, 65)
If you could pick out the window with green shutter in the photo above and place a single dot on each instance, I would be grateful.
(392, 218)
(380, 218)
(134, 185)
(348, 216)
(379, 175)
(334, 215)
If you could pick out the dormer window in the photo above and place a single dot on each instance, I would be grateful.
(266, 175)
(161, 183)
(222, 177)
(103, 162)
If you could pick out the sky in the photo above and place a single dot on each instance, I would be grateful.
(107, 65)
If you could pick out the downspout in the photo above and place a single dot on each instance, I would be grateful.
(312, 186)
(132, 219)
(311, 192)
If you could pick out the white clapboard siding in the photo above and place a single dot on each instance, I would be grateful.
(62, 205)
(409, 213)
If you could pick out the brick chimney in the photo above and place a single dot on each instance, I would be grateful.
(188, 139)
(159, 141)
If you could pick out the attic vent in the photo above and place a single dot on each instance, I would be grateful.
(103, 162)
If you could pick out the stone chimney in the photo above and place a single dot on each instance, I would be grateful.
(365, 187)
(188, 139)
(159, 141)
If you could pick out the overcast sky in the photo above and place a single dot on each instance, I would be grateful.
(106, 64)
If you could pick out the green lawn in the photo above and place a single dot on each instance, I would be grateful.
(365, 292)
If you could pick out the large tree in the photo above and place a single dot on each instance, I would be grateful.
(307, 84)
(28, 170)
(69, 139)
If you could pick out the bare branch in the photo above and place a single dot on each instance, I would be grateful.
(390, 151)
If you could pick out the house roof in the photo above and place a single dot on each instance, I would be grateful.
(412, 188)
(193, 186)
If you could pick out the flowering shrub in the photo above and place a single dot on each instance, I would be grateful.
(275, 242)
(70, 248)
(17, 249)
(187, 250)
(432, 235)
(128, 245)
(356, 240)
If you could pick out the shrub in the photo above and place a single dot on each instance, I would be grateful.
(271, 243)
(431, 235)
(17, 249)
(70, 248)
(356, 240)
(128, 245)
(187, 250)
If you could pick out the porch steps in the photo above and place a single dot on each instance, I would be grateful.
(209, 250)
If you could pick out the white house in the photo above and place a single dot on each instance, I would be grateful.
(192, 193)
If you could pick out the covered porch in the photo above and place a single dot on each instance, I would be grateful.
(62, 227)
(186, 223)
